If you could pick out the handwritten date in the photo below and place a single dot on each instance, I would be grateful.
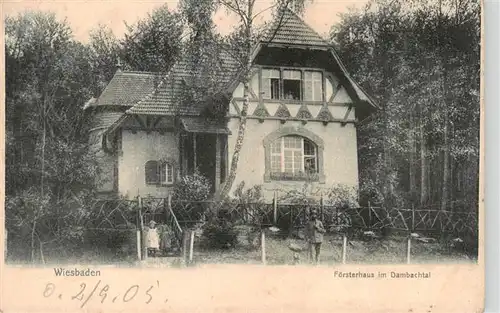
(85, 293)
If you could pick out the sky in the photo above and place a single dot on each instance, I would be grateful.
(83, 16)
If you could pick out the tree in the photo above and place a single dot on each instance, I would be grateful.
(412, 57)
(239, 46)
(153, 43)
(48, 79)
(105, 53)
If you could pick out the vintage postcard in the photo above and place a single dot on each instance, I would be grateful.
(243, 156)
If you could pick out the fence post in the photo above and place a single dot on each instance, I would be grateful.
(138, 240)
(143, 240)
(185, 241)
(344, 249)
(408, 250)
(412, 218)
(263, 246)
(275, 209)
(191, 246)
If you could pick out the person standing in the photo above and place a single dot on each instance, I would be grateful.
(314, 231)
(153, 239)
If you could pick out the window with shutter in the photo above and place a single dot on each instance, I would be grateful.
(270, 84)
(151, 172)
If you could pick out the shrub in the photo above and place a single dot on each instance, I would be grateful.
(195, 187)
(190, 193)
(252, 195)
(220, 234)
(342, 197)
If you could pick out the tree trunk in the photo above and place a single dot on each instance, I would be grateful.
(424, 193)
(446, 155)
(244, 110)
(239, 140)
(411, 134)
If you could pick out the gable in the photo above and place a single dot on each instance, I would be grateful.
(290, 29)
(159, 94)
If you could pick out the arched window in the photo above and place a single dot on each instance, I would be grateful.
(294, 153)
(159, 173)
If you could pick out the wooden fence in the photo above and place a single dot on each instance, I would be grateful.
(182, 216)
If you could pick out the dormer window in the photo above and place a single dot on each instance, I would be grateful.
(271, 84)
(292, 81)
(292, 84)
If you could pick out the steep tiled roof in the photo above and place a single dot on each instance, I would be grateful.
(126, 89)
(170, 96)
(290, 29)
(155, 94)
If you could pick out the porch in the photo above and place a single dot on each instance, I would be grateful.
(203, 148)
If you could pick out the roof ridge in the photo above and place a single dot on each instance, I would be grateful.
(307, 25)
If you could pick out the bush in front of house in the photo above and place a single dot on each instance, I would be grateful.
(339, 202)
(300, 201)
(190, 195)
(194, 187)
(220, 232)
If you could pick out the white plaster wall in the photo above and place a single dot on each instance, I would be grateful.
(339, 155)
(137, 149)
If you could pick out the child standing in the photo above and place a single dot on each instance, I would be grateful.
(153, 239)
(314, 231)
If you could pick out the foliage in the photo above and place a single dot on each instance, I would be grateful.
(105, 53)
(220, 234)
(306, 196)
(420, 61)
(341, 196)
(252, 195)
(153, 43)
(195, 187)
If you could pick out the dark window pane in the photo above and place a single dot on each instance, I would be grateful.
(291, 89)
(151, 171)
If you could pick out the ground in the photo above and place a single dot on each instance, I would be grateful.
(386, 251)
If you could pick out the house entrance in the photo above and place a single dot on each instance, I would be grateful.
(206, 156)
(204, 148)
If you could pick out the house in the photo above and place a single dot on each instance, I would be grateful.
(301, 126)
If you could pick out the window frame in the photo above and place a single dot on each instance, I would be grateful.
(270, 173)
(295, 153)
(281, 91)
(160, 178)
